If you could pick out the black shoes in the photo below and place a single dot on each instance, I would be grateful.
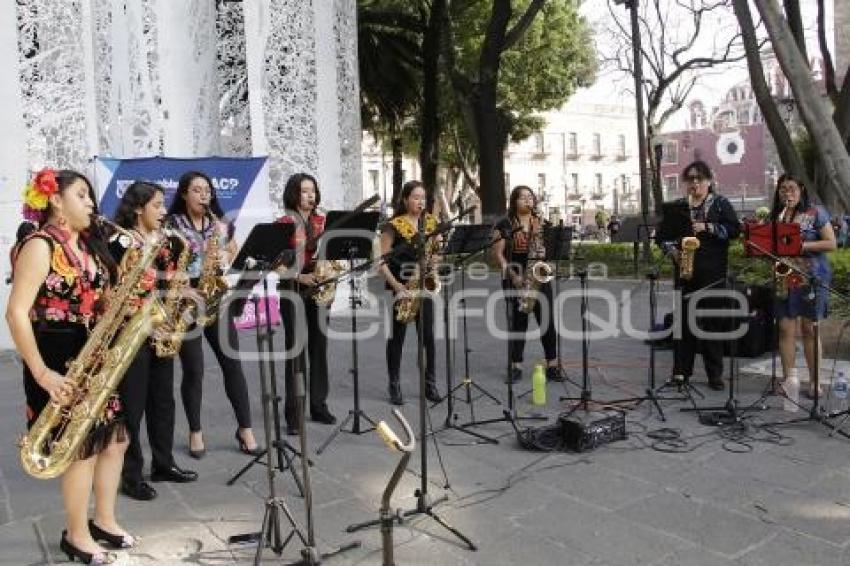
(554, 373)
(173, 474)
(515, 375)
(431, 392)
(140, 491)
(255, 451)
(395, 393)
(716, 384)
(117, 541)
(72, 552)
(322, 415)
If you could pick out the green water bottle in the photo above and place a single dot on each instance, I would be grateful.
(538, 385)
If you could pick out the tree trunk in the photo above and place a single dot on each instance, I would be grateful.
(818, 121)
(491, 165)
(429, 149)
(398, 175)
(791, 161)
(795, 25)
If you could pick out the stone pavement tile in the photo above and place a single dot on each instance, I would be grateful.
(594, 532)
(700, 522)
(19, 544)
(597, 485)
(797, 550)
(835, 487)
(770, 467)
(817, 517)
(696, 557)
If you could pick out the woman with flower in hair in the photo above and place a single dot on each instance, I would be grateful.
(60, 273)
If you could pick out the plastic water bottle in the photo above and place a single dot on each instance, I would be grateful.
(839, 393)
(538, 385)
(792, 392)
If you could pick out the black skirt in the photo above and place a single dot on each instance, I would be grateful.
(59, 344)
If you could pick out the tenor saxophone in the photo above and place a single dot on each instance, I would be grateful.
(54, 440)
(690, 245)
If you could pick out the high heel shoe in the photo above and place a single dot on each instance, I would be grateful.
(243, 446)
(73, 553)
(196, 454)
(118, 541)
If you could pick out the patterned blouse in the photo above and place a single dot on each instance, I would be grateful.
(156, 276)
(198, 240)
(72, 290)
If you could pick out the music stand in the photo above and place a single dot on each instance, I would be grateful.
(631, 232)
(346, 239)
(267, 245)
(469, 239)
(559, 240)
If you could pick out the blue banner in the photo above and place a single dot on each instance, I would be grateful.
(237, 181)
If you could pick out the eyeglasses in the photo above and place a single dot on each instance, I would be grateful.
(694, 179)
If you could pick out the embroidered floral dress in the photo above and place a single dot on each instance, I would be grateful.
(66, 308)
(801, 300)
(403, 258)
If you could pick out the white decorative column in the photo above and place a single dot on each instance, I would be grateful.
(305, 90)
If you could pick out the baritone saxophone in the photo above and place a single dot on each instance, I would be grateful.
(53, 443)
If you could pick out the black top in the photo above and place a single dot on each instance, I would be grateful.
(517, 242)
(711, 258)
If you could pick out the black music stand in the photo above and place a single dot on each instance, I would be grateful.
(468, 239)
(266, 247)
(631, 232)
(559, 241)
(350, 237)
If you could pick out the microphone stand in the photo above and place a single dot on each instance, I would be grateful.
(424, 504)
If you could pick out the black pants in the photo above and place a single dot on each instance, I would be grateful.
(192, 361)
(314, 327)
(685, 349)
(395, 342)
(148, 390)
(518, 323)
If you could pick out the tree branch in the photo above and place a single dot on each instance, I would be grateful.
(519, 29)
(828, 66)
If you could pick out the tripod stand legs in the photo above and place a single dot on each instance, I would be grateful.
(355, 416)
(283, 449)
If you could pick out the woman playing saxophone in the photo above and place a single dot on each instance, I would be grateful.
(802, 306)
(519, 242)
(399, 236)
(61, 272)
(301, 197)
(148, 385)
(195, 213)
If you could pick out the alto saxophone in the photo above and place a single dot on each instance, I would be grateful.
(407, 308)
(537, 273)
(212, 287)
(167, 338)
(690, 244)
(326, 269)
(54, 440)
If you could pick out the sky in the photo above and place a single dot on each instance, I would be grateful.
(712, 84)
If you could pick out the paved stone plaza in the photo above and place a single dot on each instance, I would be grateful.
(758, 496)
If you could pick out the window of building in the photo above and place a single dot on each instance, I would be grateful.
(573, 143)
(507, 183)
(541, 181)
(598, 185)
(671, 185)
(743, 117)
(621, 146)
(373, 180)
(539, 142)
(671, 153)
(597, 145)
